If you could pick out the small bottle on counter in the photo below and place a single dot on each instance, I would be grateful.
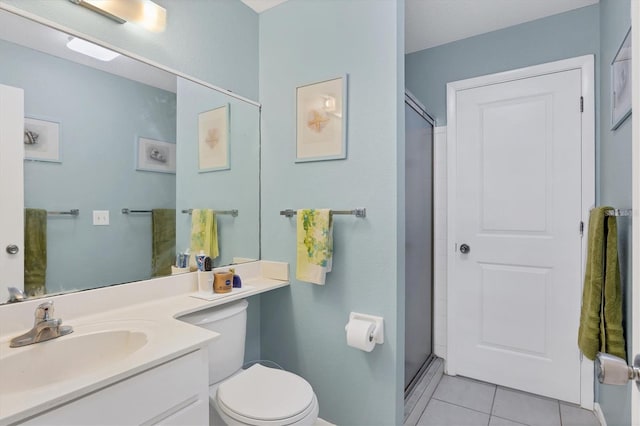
(237, 282)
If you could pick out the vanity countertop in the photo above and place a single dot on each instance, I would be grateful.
(166, 337)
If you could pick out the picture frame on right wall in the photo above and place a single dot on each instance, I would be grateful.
(321, 120)
(621, 83)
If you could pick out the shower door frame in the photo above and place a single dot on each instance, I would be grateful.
(415, 104)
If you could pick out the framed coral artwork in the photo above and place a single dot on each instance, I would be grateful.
(321, 120)
(213, 139)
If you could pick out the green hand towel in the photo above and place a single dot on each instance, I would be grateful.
(613, 340)
(163, 245)
(601, 319)
(35, 251)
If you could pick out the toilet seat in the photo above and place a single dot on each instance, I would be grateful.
(266, 396)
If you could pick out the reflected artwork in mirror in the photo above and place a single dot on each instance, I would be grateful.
(110, 201)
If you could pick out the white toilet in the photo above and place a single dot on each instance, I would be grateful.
(258, 395)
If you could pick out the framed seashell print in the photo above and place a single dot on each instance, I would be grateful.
(213, 140)
(42, 140)
(321, 120)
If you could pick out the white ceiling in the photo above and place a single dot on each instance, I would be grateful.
(430, 23)
(22, 31)
(262, 5)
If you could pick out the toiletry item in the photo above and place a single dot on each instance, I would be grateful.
(208, 263)
(237, 282)
(222, 282)
(200, 260)
(205, 281)
(187, 256)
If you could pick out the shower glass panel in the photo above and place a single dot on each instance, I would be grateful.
(419, 240)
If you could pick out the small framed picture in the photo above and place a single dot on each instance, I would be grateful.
(213, 140)
(621, 83)
(156, 156)
(321, 120)
(42, 140)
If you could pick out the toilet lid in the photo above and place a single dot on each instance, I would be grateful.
(265, 394)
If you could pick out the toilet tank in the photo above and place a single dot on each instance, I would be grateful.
(226, 353)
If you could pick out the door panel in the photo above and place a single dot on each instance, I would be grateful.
(518, 207)
(419, 242)
(11, 188)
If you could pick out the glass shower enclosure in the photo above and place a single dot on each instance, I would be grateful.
(418, 241)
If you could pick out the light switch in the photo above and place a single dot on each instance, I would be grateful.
(101, 217)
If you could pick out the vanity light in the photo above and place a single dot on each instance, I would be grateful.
(87, 48)
(145, 13)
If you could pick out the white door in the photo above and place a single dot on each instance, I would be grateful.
(518, 210)
(11, 189)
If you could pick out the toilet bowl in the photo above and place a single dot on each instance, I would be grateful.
(264, 396)
(257, 396)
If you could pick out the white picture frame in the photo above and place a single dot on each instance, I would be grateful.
(155, 156)
(321, 120)
(621, 83)
(42, 140)
(213, 140)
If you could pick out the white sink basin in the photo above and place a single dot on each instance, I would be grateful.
(66, 358)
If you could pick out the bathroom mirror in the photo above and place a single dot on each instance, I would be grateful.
(103, 136)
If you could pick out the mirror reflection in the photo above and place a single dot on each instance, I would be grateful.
(109, 144)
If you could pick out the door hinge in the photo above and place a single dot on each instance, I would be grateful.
(581, 104)
(581, 228)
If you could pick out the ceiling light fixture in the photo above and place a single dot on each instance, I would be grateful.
(87, 48)
(145, 13)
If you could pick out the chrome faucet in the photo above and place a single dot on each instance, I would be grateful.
(44, 328)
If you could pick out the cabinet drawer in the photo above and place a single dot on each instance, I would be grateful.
(148, 397)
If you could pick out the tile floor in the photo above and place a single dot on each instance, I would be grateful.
(458, 401)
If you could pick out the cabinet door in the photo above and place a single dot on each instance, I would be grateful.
(11, 188)
(167, 394)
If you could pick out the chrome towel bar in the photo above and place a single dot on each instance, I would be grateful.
(356, 212)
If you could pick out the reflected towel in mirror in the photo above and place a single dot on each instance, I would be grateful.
(35, 251)
(204, 234)
(163, 241)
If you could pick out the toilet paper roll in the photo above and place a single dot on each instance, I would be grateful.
(359, 334)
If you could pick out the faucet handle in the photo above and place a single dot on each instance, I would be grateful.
(44, 311)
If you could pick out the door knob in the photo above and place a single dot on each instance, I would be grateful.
(464, 249)
(612, 370)
(12, 249)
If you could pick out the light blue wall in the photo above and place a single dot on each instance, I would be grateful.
(216, 41)
(236, 188)
(302, 325)
(615, 186)
(562, 36)
(101, 116)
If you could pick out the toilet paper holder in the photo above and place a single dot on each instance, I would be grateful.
(378, 332)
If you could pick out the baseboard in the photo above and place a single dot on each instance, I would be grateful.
(599, 414)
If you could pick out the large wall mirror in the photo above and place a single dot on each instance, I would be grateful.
(104, 136)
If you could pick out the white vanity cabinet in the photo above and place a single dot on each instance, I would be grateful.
(173, 393)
